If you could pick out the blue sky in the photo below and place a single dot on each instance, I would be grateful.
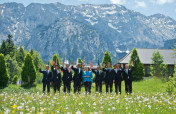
(146, 7)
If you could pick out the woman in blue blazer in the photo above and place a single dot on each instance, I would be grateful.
(87, 76)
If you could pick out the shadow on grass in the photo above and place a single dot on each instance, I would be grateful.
(28, 86)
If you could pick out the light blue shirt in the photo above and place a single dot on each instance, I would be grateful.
(87, 79)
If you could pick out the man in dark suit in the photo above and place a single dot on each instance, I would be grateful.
(109, 77)
(77, 78)
(117, 78)
(99, 78)
(47, 78)
(67, 77)
(56, 78)
(127, 75)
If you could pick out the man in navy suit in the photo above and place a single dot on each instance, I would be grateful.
(77, 78)
(117, 78)
(56, 78)
(67, 77)
(127, 75)
(47, 78)
(99, 78)
(109, 77)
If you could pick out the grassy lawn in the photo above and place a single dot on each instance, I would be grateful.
(148, 96)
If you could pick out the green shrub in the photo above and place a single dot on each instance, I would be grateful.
(14, 79)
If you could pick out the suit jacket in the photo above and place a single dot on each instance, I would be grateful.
(56, 75)
(78, 75)
(128, 77)
(67, 76)
(99, 76)
(47, 77)
(117, 75)
(109, 75)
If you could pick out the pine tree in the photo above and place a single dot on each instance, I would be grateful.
(16, 70)
(138, 73)
(56, 57)
(28, 73)
(107, 58)
(20, 56)
(157, 67)
(4, 77)
(31, 51)
(10, 46)
(3, 48)
(81, 62)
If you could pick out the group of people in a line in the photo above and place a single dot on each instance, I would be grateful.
(112, 75)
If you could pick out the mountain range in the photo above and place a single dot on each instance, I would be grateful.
(85, 31)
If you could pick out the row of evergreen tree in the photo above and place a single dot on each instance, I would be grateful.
(12, 58)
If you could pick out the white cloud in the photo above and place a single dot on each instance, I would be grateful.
(118, 1)
(141, 4)
(161, 2)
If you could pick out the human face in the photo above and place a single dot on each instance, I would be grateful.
(109, 65)
(79, 65)
(117, 66)
(127, 66)
(98, 68)
(67, 65)
(47, 67)
(56, 67)
(87, 68)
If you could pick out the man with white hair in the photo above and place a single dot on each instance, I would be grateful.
(77, 78)
(127, 75)
(67, 77)
(47, 78)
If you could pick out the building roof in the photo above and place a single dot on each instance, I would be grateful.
(146, 54)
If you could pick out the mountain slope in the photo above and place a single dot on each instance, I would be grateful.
(83, 31)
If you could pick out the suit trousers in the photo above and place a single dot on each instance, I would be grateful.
(46, 83)
(118, 87)
(67, 86)
(56, 85)
(98, 85)
(77, 86)
(88, 86)
(109, 85)
(128, 86)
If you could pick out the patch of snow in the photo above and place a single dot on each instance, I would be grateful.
(2, 12)
(110, 12)
(119, 51)
(111, 26)
(91, 22)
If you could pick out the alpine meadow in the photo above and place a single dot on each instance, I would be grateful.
(87, 57)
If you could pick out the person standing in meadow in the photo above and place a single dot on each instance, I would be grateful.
(109, 77)
(56, 77)
(67, 77)
(87, 76)
(99, 78)
(117, 78)
(127, 75)
(77, 78)
(47, 78)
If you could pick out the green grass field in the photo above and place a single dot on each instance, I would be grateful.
(148, 96)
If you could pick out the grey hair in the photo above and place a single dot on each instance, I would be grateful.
(127, 65)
